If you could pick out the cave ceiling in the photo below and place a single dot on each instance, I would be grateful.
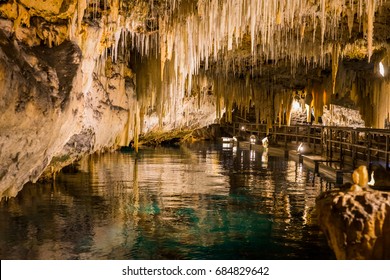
(280, 42)
(275, 45)
(291, 48)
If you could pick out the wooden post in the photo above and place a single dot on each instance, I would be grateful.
(285, 137)
(368, 150)
(341, 147)
(387, 152)
(339, 177)
(313, 137)
(354, 149)
(322, 140)
(300, 158)
(330, 143)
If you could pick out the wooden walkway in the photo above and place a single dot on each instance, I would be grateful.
(343, 148)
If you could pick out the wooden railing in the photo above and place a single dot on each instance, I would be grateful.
(352, 145)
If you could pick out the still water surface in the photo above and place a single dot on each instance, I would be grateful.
(195, 202)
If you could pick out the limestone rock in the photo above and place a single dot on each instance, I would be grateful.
(356, 224)
(342, 116)
(66, 87)
(36, 91)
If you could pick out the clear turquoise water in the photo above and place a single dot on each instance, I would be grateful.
(195, 202)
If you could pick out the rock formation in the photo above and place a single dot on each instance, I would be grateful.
(63, 95)
(82, 76)
(356, 222)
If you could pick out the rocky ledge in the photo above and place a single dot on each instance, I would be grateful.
(356, 223)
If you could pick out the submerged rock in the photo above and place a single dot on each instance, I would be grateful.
(356, 224)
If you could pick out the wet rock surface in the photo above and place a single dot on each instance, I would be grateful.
(356, 224)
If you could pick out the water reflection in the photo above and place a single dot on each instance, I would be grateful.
(200, 202)
(264, 159)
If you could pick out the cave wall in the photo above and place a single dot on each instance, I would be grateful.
(36, 109)
(83, 76)
(67, 89)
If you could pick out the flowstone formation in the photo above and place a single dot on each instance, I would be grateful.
(83, 76)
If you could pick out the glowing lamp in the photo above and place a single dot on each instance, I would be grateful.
(226, 145)
(253, 139)
(265, 142)
(381, 69)
(243, 127)
(300, 148)
(372, 181)
(296, 105)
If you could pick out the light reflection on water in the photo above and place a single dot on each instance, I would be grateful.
(199, 202)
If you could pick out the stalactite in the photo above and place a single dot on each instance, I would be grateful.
(335, 64)
(193, 36)
(360, 13)
(370, 26)
(302, 30)
(289, 106)
(81, 6)
(350, 20)
(323, 23)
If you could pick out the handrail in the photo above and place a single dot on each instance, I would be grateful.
(354, 144)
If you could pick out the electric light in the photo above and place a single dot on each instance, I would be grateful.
(253, 139)
(300, 148)
(265, 142)
(381, 69)
(226, 145)
(372, 181)
(296, 105)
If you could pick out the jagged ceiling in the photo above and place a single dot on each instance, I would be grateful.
(231, 36)
(271, 46)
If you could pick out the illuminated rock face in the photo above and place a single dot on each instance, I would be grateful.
(342, 116)
(81, 76)
(63, 99)
(46, 118)
(35, 108)
(356, 224)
